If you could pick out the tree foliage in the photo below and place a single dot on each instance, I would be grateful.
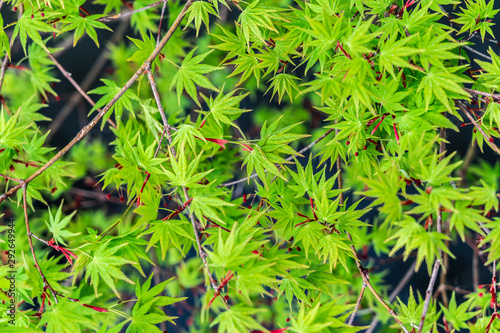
(258, 163)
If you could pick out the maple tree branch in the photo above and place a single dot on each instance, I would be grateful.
(156, 95)
(394, 293)
(473, 121)
(119, 16)
(89, 78)
(68, 75)
(46, 284)
(161, 21)
(86, 129)
(435, 269)
(482, 93)
(363, 287)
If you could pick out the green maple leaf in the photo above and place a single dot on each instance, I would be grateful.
(109, 90)
(183, 174)
(255, 17)
(172, 232)
(57, 224)
(209, 206)
(27, 26)
(103, 265)
(11, 133)
(458, 315)
(147, 311)
(84, 24)
(225, 107)
(198, 12)
(146, 46)
(190, 74)
(284, 83)
(65, 317)
(237, 319)
(438, 81)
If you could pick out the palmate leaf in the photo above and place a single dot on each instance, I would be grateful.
(83, 24)
(11, 133)
(493, 238)
(284, 83)
(257, 16)
(147, 311)
(237, 319)
(109, 90)
(335, 248)
(57, 224)
(103, 265)
(475, 17)
(190, 74)
(27, 26)
(490, 76)
(410, 314)
(224, 108)
(294, 286)
(145, 47)
(171, 232)
(210, 206)
(258, 161)
(458, 315)
(394, 52)
(464, 216)
(199, 11)
(183, 174)
(413, 236)
(66, 317)
(438, 81)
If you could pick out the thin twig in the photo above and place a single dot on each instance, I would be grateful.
(482, 93)
(46, 284)
(486, 137)
(67, 75)
(435, 269)
(469, 156)
(119, 16)
(494, 285)
(2, 70)
(363, 287)
(339, 170)
(395, 292)
(161, 21)
(363, 271)
(152, 82)
(86, 129)
(289, 158)
(477, 52)
(201, 252)
(89, 78)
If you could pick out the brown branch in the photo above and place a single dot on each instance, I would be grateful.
(477, 52)
(46, 284)
(86, 129)
(395, 292)
(201, 252)
(435, 269)
(289, 158)
(363, 287)
(89, 78)
(156, 95)
(119, 16)
(486, 137)
(363, 271)
(67, 75)
(482, 93)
